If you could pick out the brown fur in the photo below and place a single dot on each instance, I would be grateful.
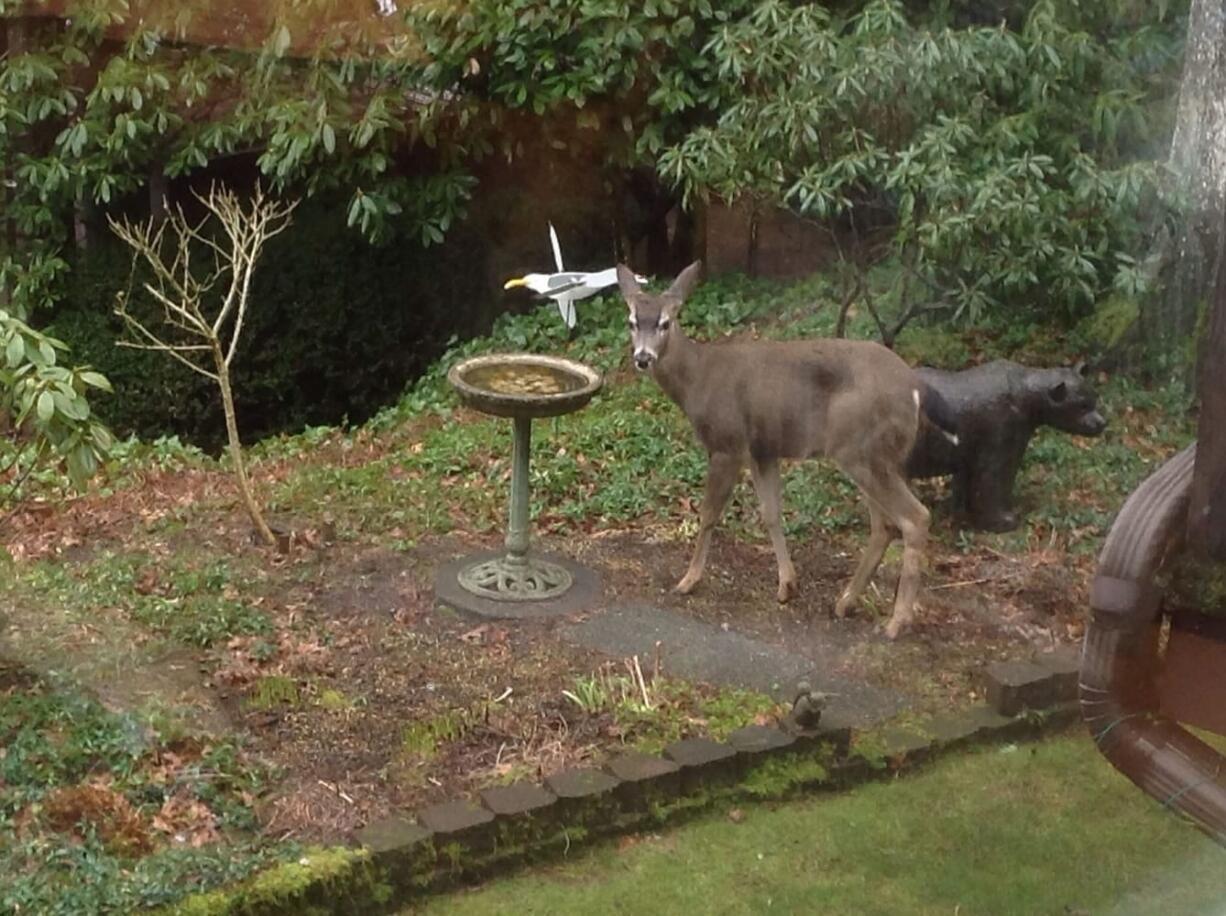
(757, 403)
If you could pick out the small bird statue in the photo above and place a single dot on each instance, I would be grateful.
(809, 704)
(566, 287)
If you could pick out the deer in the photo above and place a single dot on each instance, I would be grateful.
(759, 402)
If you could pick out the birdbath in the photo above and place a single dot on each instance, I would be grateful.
(522, 386)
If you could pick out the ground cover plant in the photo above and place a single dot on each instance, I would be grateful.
(330, 673)
(99, 812)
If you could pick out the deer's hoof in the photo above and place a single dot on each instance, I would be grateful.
(787, 591)
(686, 585)
(894, 628)
(843, 605)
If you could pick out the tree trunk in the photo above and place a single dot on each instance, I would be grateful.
(1198, 159)
(1207, 505)
(236, 449)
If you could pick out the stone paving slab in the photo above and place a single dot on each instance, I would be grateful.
(696, 650)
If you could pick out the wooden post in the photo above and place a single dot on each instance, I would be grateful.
(1207, 511)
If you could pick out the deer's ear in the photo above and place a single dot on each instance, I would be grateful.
(685, 282)
(626, 282)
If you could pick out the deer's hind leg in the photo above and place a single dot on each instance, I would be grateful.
(767, 483)
(889, 496)
(911, 517)
(722, 471)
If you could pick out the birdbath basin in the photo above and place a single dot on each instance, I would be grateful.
(523, 387)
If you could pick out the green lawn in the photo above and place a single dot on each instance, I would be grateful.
(1034, 829)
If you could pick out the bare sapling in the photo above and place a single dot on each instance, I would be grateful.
(204, 305)
(757, 403)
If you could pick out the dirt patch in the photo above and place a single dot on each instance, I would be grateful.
(396, 703)
(977, 606)
(404, 704)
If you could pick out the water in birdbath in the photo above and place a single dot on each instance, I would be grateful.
(524, 378)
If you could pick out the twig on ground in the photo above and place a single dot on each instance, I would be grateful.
(966, 582)
(335, 790)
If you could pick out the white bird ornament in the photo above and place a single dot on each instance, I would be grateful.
(566, 287)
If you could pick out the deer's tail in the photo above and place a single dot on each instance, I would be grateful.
(937, 411)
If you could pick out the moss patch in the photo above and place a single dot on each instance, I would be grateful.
(778, 777)
(322, 881)
(422, 739)
(1110, 321)
(333, 700)
(1195, 584)
(273, 691)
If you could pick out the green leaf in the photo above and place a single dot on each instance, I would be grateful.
(46, 406)
(71, 407)
(82, 464)
(96, 380)
(103, 441)
(15, 350)
(329, 138)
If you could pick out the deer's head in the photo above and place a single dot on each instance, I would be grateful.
(653, 317)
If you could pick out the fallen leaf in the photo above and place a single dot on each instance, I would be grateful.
(147, 582)
(187, 820)
(628, 842)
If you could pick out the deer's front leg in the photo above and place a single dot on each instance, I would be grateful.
(722, 472)
(766, 482)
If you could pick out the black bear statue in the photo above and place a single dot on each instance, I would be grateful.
(998, 407)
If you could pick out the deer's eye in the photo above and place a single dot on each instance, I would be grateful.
(634, 324)
(663, 324)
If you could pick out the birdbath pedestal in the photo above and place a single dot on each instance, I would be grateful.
(523, 387)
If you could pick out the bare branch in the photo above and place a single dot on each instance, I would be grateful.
(156, 343)
(853, 290)
(172, 351)
(181, 293)
(164, 347)
(886, 337)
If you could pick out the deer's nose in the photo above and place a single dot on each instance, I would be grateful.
(643, 359)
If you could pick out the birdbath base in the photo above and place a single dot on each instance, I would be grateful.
(584, 594)
(512, 578)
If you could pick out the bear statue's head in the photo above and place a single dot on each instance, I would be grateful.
(1068, 401)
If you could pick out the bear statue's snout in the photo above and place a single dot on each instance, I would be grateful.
(1093, 424)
